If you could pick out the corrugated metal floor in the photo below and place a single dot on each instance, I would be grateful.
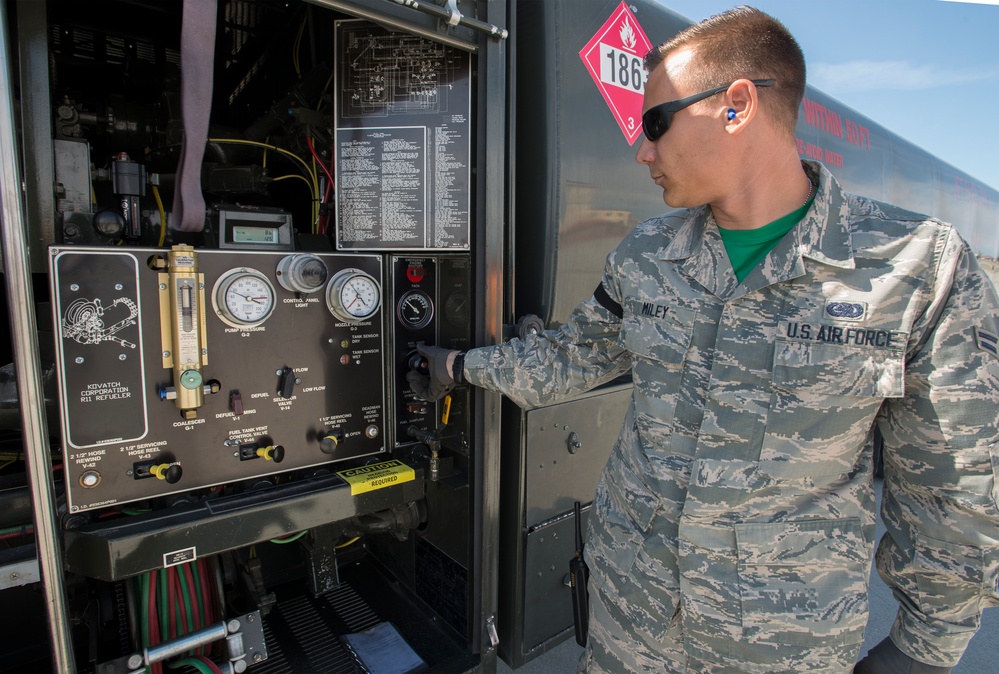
(981, 657)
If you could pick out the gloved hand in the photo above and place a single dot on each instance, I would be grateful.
(886, 658)
(438, 379)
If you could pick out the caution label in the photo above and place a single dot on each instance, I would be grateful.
(377, 476)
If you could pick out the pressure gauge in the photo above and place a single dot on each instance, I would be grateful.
(456, 309)
(415, 309)
(243, 298)
(352, 295)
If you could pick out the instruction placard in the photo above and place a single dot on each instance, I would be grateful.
(377, 476)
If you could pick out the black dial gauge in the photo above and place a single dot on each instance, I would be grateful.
(415, 309)
(456, 309)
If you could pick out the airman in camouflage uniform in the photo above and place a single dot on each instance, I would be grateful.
(733, 526)
(739, 494)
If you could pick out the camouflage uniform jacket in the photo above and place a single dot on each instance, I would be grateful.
(739, 493)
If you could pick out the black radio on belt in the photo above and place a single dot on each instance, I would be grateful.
(579, 574)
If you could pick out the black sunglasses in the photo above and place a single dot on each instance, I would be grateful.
(655, 121)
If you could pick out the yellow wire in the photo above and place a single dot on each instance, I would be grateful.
(163, 222)
(295, 175)
(309, 171)
(315, 211)
(292, 175)
(325, 88)
(350, 542)
(294, 51)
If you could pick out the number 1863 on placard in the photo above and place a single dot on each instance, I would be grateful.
(621, 69)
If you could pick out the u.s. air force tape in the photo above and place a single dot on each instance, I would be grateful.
(376, 476)
(607, 302)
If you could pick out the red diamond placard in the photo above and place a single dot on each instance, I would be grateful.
(614, 58)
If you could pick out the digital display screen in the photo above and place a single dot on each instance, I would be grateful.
(247, 234)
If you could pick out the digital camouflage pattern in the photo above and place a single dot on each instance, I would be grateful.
(734, 524)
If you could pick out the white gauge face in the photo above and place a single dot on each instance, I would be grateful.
(244, 297)
(353, 295)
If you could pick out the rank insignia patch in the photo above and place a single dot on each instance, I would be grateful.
(987, 341)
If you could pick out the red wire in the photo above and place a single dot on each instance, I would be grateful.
(25, 530)
(196, 613)
(329, 176)
(181, 607)
(211, 665)
(206, 593)
(154, 622)
(171, 602)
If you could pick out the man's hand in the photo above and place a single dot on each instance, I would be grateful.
(886, 658)
(436, 380)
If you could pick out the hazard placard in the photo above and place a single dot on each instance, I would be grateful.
(614, 57)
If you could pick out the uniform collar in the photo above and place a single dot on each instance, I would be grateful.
(823, 236)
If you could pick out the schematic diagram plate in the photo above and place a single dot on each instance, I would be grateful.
(403, 141)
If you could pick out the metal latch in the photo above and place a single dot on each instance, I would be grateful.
(491, 631)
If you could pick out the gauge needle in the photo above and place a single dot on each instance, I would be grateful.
(357, 296)
(258, 300)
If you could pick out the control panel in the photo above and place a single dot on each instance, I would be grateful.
(183, 369)
(431, 296)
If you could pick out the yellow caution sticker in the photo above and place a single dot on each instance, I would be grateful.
(377, 476)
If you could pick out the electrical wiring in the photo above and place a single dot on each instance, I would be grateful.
(186, 618)
(211, 665)
(154, 626)
(290, 539)
(163, 222)
(291, 155)
(15, 532)
(315, 155)
(310, 173)
(173, 602)
(296, 47)
(198, 664)
(170, 603)
(346, 543)
(293, 175)
(316, 159)
(194, 611)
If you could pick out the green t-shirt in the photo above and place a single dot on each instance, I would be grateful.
(747, 247)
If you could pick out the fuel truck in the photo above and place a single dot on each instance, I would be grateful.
(226, 226)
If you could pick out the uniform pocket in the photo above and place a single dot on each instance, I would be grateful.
(803, 583)
(623, 512)
(659, 347)
(823, 401)
(950, 580)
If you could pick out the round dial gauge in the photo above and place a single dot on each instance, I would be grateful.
(415, 309)
(456, 309)
(353, 295)
(243, 298)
